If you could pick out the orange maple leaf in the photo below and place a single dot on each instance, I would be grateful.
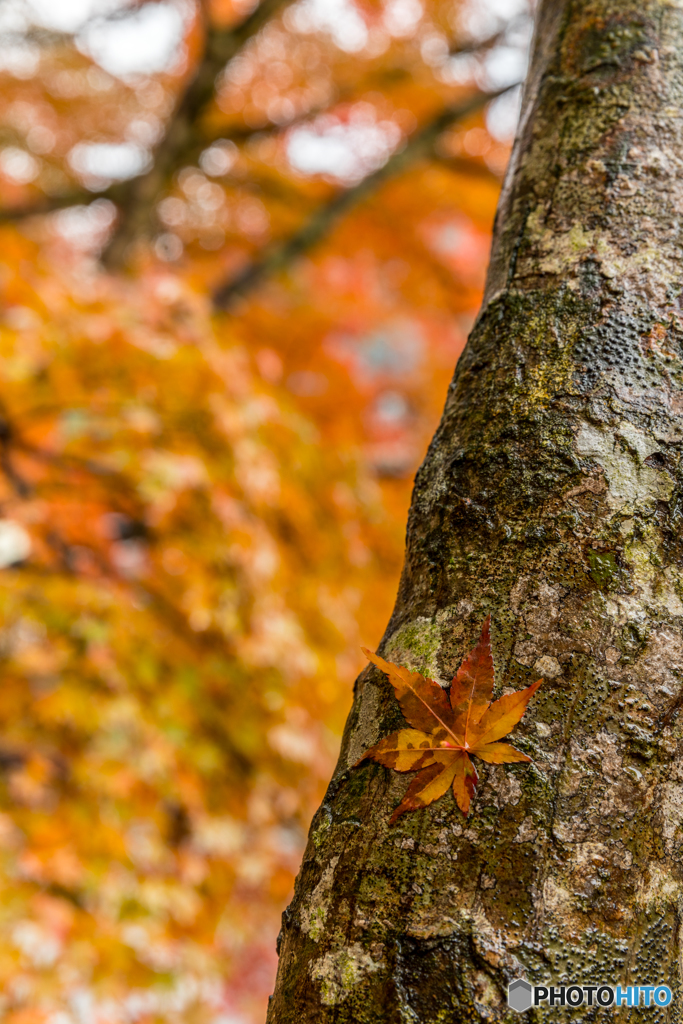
(448, 728)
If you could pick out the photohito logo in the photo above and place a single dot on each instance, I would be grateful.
(522, 996)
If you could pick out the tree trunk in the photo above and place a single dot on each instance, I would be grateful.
(551, 498)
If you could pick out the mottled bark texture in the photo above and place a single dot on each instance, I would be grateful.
(551, 497)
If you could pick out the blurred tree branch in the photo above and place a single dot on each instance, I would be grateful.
(183, 141)
(136, 198)
(464, 165)
(51, 204)
(482, 45)
(281, 254)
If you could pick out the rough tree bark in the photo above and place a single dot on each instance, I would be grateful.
(552, 498)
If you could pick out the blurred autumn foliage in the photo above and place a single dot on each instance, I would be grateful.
(234, 286)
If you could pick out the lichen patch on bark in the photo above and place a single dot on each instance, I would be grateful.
(622, 455)
(341, 971)
(314, 912)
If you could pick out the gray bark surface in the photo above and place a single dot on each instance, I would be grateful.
(552, 498)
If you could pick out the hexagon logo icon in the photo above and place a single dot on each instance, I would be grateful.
(520, 995)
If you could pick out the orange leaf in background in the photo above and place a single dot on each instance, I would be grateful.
(449, 728)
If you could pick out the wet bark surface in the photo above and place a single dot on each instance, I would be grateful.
(551, 498)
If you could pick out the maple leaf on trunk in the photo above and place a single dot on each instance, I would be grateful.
(448, 728)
